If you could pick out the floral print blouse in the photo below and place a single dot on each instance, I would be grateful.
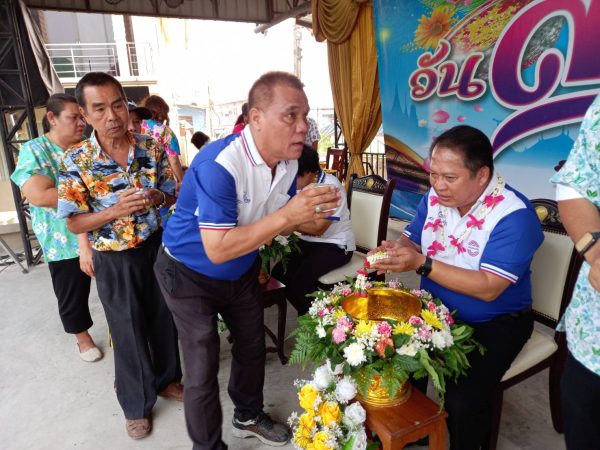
(41, 156)
(163, 135)
(581, 172)
(91, 181)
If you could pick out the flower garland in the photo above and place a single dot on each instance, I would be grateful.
(476, 218)
(278, 251)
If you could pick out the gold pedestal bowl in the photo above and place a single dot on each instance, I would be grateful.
(383, 304)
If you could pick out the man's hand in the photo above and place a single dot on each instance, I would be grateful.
(400, 258)
(155, 197)
(85, 255)
(131, 201)
(312, 204)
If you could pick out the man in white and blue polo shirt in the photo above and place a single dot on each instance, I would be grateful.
(472, 241)
(236, 196)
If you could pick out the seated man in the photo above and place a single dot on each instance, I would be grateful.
(325, 245)
(472, 241)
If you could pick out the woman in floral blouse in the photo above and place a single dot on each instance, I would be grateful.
(578, 195)
(158, 128)
(67, 254)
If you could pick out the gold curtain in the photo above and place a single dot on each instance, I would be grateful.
(350, 32)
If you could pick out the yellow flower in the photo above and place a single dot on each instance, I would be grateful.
(321, 441)
(307, 396)
(403, 328)
(307, 420)
(363, 328)
(330, 412)
(432, 29)
(302, 437)
(339, 312)
(430, 318)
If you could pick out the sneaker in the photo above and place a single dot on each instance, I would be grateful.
(263, 428)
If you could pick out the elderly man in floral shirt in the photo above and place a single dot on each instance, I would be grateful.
(111, 187)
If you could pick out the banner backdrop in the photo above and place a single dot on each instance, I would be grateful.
(522, 71)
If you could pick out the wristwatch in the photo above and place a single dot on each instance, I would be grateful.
(425, 268)
(587, 241)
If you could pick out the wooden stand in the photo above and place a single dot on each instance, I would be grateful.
(274, 294)
(399, 425)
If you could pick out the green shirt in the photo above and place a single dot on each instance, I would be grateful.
(41, 156)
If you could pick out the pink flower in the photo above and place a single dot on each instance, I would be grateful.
(417, 292)
(431, 306)
(415, 320)
(454, 241)
(325, 311)
(437, 223)
(338, 335)
(366, 263)
(394, 284)
(362, 272)
(345, 323)
(474, 222)
(492, 200)
(346, 291)
(385, 329)
(449, 319)
(440, 116)
(435, 247)
(424, 333)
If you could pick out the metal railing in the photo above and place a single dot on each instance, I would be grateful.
(374, 163)
(126, 59)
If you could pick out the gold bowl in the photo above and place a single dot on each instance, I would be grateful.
(378, 397)
(381, 304)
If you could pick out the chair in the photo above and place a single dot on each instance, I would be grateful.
(369, 203)
(337, 159)
(554, 270)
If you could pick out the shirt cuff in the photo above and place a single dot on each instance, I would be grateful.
(566, 193)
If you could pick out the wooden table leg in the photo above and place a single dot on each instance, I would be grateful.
(437, 438)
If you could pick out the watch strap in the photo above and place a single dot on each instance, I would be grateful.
(587, 241)
(425, 269)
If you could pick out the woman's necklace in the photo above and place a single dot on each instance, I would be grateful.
(476, 218)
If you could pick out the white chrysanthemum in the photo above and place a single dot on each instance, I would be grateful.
(354, 354)
(360, 440)
(321, 332)
(409, 349)
(281, 240)
(345, 390)
(354, 415)
(438, 340)
(322, 377)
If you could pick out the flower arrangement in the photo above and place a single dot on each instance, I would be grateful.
(278, 251)
(428, 344)
(329, 419)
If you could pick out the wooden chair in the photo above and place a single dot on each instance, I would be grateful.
(337, 159)
(554, 270)
(369, 201)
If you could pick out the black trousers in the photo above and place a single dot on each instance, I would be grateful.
(195, 300)
(141, 326)
(468, 401)
(304, 270)
(72, 289)
(580, 397)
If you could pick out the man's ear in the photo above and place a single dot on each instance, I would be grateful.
(483, 175)
(255, 118)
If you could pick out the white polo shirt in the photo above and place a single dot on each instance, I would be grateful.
(340, 231)
(228, 184)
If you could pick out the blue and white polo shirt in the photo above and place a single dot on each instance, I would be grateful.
(503, 245)
(340, 231)
(228, 184)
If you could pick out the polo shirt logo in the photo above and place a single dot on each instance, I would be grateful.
(473, 248)
(245, 197)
